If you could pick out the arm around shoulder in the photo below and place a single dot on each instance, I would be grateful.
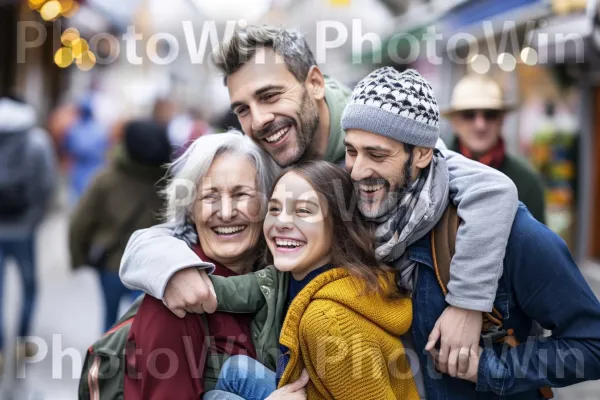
(152, 256)
(487, 201)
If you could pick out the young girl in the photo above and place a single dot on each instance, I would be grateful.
(343, 315)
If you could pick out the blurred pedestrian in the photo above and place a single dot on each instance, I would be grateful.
(86, 143)
(27, 180)
(121, 199)
(477, 112)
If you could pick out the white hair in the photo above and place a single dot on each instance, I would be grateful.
(189, 169)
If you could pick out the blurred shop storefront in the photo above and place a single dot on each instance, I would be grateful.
(545, 54)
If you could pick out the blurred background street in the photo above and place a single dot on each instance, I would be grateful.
(82, 70)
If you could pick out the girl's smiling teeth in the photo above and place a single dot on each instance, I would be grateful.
(278, 135)
(228, 230)
(288, 243)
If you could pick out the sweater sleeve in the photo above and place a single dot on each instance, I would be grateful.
(487, 202)
(152, 256)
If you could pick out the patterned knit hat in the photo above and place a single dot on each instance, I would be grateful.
(399, 105)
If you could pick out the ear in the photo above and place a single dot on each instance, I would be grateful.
(422, 156)
(315, 83)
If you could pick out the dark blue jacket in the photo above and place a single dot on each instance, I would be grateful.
(540, 282)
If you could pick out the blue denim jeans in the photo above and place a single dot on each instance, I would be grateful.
(113, 290)
(244, 377)
(23, 252)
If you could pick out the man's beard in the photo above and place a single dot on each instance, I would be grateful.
(309, 121)
(390, 198)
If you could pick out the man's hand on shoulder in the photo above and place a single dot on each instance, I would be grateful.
(190, 291)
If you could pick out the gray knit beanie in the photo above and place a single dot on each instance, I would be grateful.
(399, 105)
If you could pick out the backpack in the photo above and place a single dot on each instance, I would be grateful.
(105, 366)
(15, 182)
(443, 245)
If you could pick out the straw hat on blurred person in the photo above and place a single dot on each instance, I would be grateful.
(477, 92)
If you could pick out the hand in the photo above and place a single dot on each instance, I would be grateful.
(473, 367)
(292, 391)
(459, 331)
(190, 291)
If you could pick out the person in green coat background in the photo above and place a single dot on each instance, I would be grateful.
(476, 113)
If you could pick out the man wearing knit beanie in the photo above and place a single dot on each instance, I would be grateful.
(402, 182)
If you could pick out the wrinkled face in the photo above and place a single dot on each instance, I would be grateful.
(380, 169)
(273, 108)
(296, 228)
(227, 212)
(478, 130)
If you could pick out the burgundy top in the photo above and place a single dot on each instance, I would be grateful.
(165, 357)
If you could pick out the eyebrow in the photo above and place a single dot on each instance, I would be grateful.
(257, 93)
(297, 201)
(240, 187)
(234, 189)
(370, 148)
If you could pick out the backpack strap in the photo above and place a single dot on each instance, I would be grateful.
(443, 246)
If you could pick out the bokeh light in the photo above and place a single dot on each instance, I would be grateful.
(36, 4)
(86, 61)
(480, 64)
(50, 10)
(63, 57)
(72, 11)
(79, 46)
(69, 36)
(507, 62)
(66, 6)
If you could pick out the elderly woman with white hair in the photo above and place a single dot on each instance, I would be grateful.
(216, 198)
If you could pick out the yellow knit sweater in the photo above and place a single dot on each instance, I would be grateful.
(348, 340)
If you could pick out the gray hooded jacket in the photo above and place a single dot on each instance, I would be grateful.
(18, 119)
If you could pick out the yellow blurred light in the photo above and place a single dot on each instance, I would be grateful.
(63, 57)
(72, 11)
(79, 46)
(69, 36)
(66, 6)
(339, 2)
(50, 10)
(86, 61)
(36, 4)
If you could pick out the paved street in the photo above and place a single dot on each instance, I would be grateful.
(68, 319)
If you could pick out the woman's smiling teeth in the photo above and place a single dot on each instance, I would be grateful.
(278, 135)
(371, 188)
(289, 243)
(228, 230)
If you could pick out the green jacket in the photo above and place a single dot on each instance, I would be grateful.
(263, 292)
(110, 210)
(528, 182)
(336, 97)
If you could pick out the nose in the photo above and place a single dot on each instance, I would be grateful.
(285, 221)
(227, 209)
(358, 168)
(480, 122)
(260, 117)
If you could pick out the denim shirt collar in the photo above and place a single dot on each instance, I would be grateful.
(420, 251)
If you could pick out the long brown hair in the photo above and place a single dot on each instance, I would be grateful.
(352, 246)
